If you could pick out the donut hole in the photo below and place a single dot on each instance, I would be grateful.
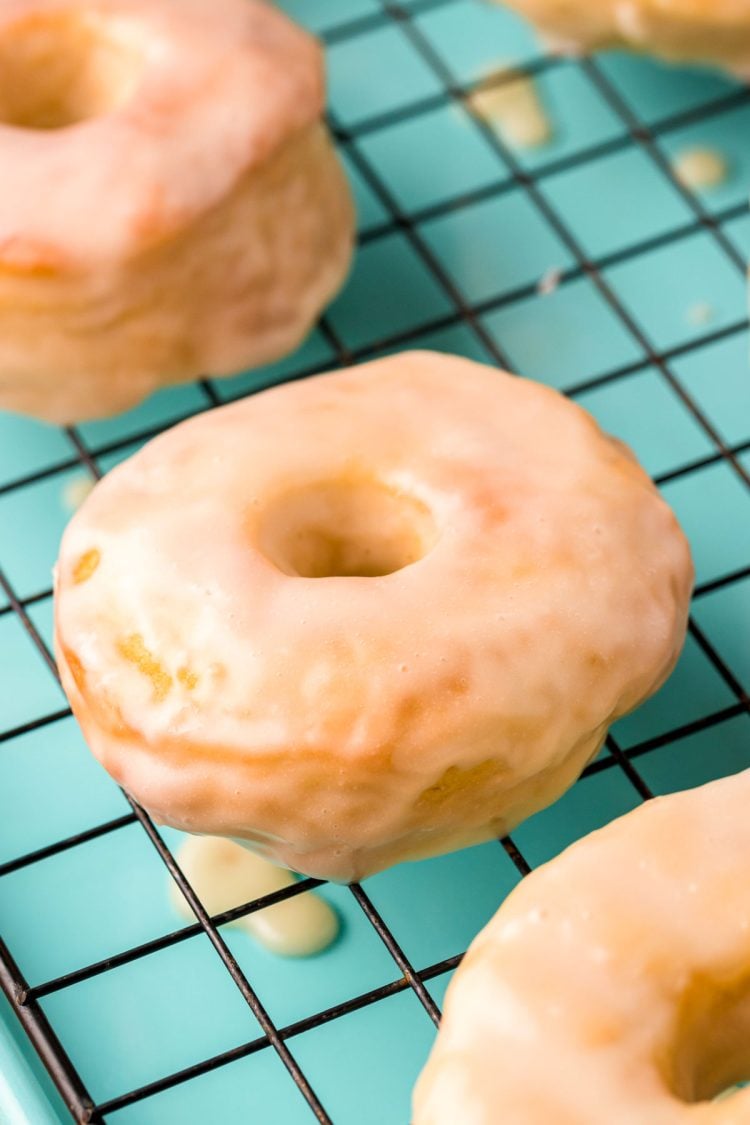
(346, 529)
(713, 1058)
(61, 68)
(729, 1092)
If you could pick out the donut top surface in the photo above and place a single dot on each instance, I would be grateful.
(417, 569)
(122, 120)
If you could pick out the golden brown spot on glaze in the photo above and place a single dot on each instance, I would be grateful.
(29, 257)
(86, 565)
(410, 708)
(76, 668)
(490, 510)
(455, 685)
(187, 678)
(133, 649)
(218, 672)
(457, 780)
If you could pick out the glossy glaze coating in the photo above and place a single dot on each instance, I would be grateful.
(369, 616)
(613, 984)
(170, 203)
(704, 31)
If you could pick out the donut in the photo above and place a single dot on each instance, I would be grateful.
(370, 616)
(716, 32)
(613, 984)
(170, 202)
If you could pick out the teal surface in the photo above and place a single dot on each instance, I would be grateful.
(664, 287)
(647, 331)
(27, 1094)
(580, 118)
(415, 186)
(495, 247)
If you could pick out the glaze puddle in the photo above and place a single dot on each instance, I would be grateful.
(513, 107)
(225, 874)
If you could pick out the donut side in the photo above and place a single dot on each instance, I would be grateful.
(238, 287)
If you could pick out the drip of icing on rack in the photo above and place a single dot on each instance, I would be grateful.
(225, 874)
(700, 169)
(509, 101)
(76, 490)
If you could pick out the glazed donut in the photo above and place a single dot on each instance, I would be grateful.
(707, 31)
(170, 203)
(369, 616)
(613, 984)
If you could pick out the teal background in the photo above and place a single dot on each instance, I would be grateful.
(444, 198)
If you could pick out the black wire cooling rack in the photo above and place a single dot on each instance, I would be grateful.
(25, 998)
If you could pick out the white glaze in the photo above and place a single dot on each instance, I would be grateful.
(701, 313)
(513, 107)
(340, 724)
(700, 168)
(549, 282)
(76, 490)
(613, 984)
(224, 874)
(197, 226)
(710, 31)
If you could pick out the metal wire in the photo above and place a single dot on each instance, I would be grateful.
(511, 176)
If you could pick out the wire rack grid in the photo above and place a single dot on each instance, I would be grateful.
(456, 229)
